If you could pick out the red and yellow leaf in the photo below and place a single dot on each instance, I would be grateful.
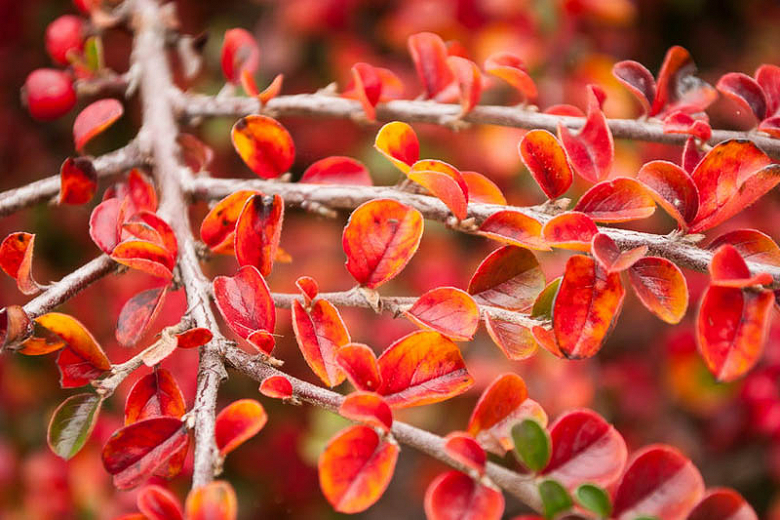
(481, 189)
(264, 145)
(619, 200)
(16, 255)
(753, 245)
(94, 119)
(368, 408)
(150, 227)
(148, 257)
(337, 169)
(661, 287)
(308, 288)
(515, 341)
(245, 302)
(218, 227)
(513, 227)
(277, 387)
(546, 159)
(78, 181)
(214, 501)
(672, 189)
(430, 59)
(447, 310)
(157, 394)
(511, 69)
(258, 230)
(238, 422)
(455, 495)
(510, 277)
(443, 181)
(398, 142)
(570, 230)
(728, 269)
(360, 366)
(320, 333)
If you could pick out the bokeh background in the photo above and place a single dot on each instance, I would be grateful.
(648, 379)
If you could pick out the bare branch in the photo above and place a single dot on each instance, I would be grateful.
(330, 106)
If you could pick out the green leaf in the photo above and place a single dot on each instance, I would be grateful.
(555, 498)
(93, 52)
(593, 498)
(543, 305)
(532, 444)
(72, 424)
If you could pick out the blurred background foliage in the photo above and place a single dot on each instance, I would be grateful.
(648, 380)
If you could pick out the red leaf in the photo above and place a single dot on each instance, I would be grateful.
(14, 326)
(545, 158)
(638, 80)
(586, 306)
(264, 145)
(753, 245)
(515, 228)
(463, 448)
(722, 504)
(672, 188)
(193, 338)
(218, 228)
(609, 256)
(591, 151)
(732, 175)
(746, 92)
(145, 256)
(356, 468)
(398, 142)
(263, 341)
(680, 122)
(133, 453)
(443, 181)
(245, 302)
(691, 156)
(214, 501)
(430, 59)
(157, 394)
(585, 448)
(196, 154)
(138, 314)
(768, 77)
(447, 310)
(278, 387)
(149, 226)
(240, 54)
(469, 80)
(360, 366)
(511, 69)
(481, 189)
(320, 333)
(619, 200)
(78, 181)
(309, 289)
(771, 126)
(157, 503)
(660, 482)
(238, 422)
(337, 169)
(140, 191)
(16, 255)
(422, 368)
(258, 230)
(731, 329)
(366, 87)
(510, 277)
(368, 408)
(514, 340)
(94, 119)
(75, 369)
(677, 87)
(661, 287)
(570, 230)
(105, 224)
(728, 269)
(456, 496)
(380, 238)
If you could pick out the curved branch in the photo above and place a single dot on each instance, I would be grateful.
(333, 106)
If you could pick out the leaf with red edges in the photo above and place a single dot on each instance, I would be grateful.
(265, 146)
(611, 258)
(277, 387)
(728, 269)
(677, 87)
(731, 329)
(515, 341)
(16, 255)
(660, 482)
(422, 368)
(546, 159)
(78, 181)
(320, 333)
(515, 228)
(218, 227)
(430, 60)
(145, 256)
(337, 169)
(771, 126)
(258, 230)
(368, 408)
(355, 468)
(585, 448)
(308, 288)
(263, 341)
(586, 306)
(481, 189)
(157, 503)
(691, 155)
(398, 142)
(672, 189)
(138, 314)
(570, 230)
(94, 119)
(745, 92)
(443, 181)
(141, 192)
(591, 151)
(638, 80)
(510, 277)
(768, 77)
(511, 69)
(469, 80)
(366, 87)
(157, 394)
(214, 501)
(133, 453)
(240, 54)
(149, 226)
(193, 338)
(360, 366)
(661, 287)
(753, 245)
(238, 422)
(681, 122)
(245, 302)
(722, 504)
(447, 310)
(619, 200)
(455, 495)
(380, 238)
(465, 449)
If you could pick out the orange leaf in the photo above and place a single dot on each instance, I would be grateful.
(447, 310)
(731, 329)
(78, 181)
(753, 245)
(360, 366)
(464, 448)
(510, 277)
(672, 189)
(456, 495)
(264, 145)
(157, 503)
(368, 408)
(193, 338)
(145, 256)
(469, 80)
(218, 228)
(157, 394)
(380, 238)
(422, 368)
(511, 69)
(150, 227)
(320, 333)
(272, 90)
(258, 230)
(728, 269)
(443, 181)
(214, 501)
(618, 200)
(481, 189)
(263, 341)
(337, 169)
(430, 59)
(240, 54)
(398, 142)
(513, 227)
(610, 257)
(94, 119)
(591, 151)
(245, 302)
(278, 387)
(16, 254)
(661, 287)
(545, 158)
(588, 302)
(309, 289)
(138, 314)
(570, 230)
(238, 422)
(514, 340)
(356, 468)
(366, 88)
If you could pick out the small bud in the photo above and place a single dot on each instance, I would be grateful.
(48, 93)
(64, 34)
